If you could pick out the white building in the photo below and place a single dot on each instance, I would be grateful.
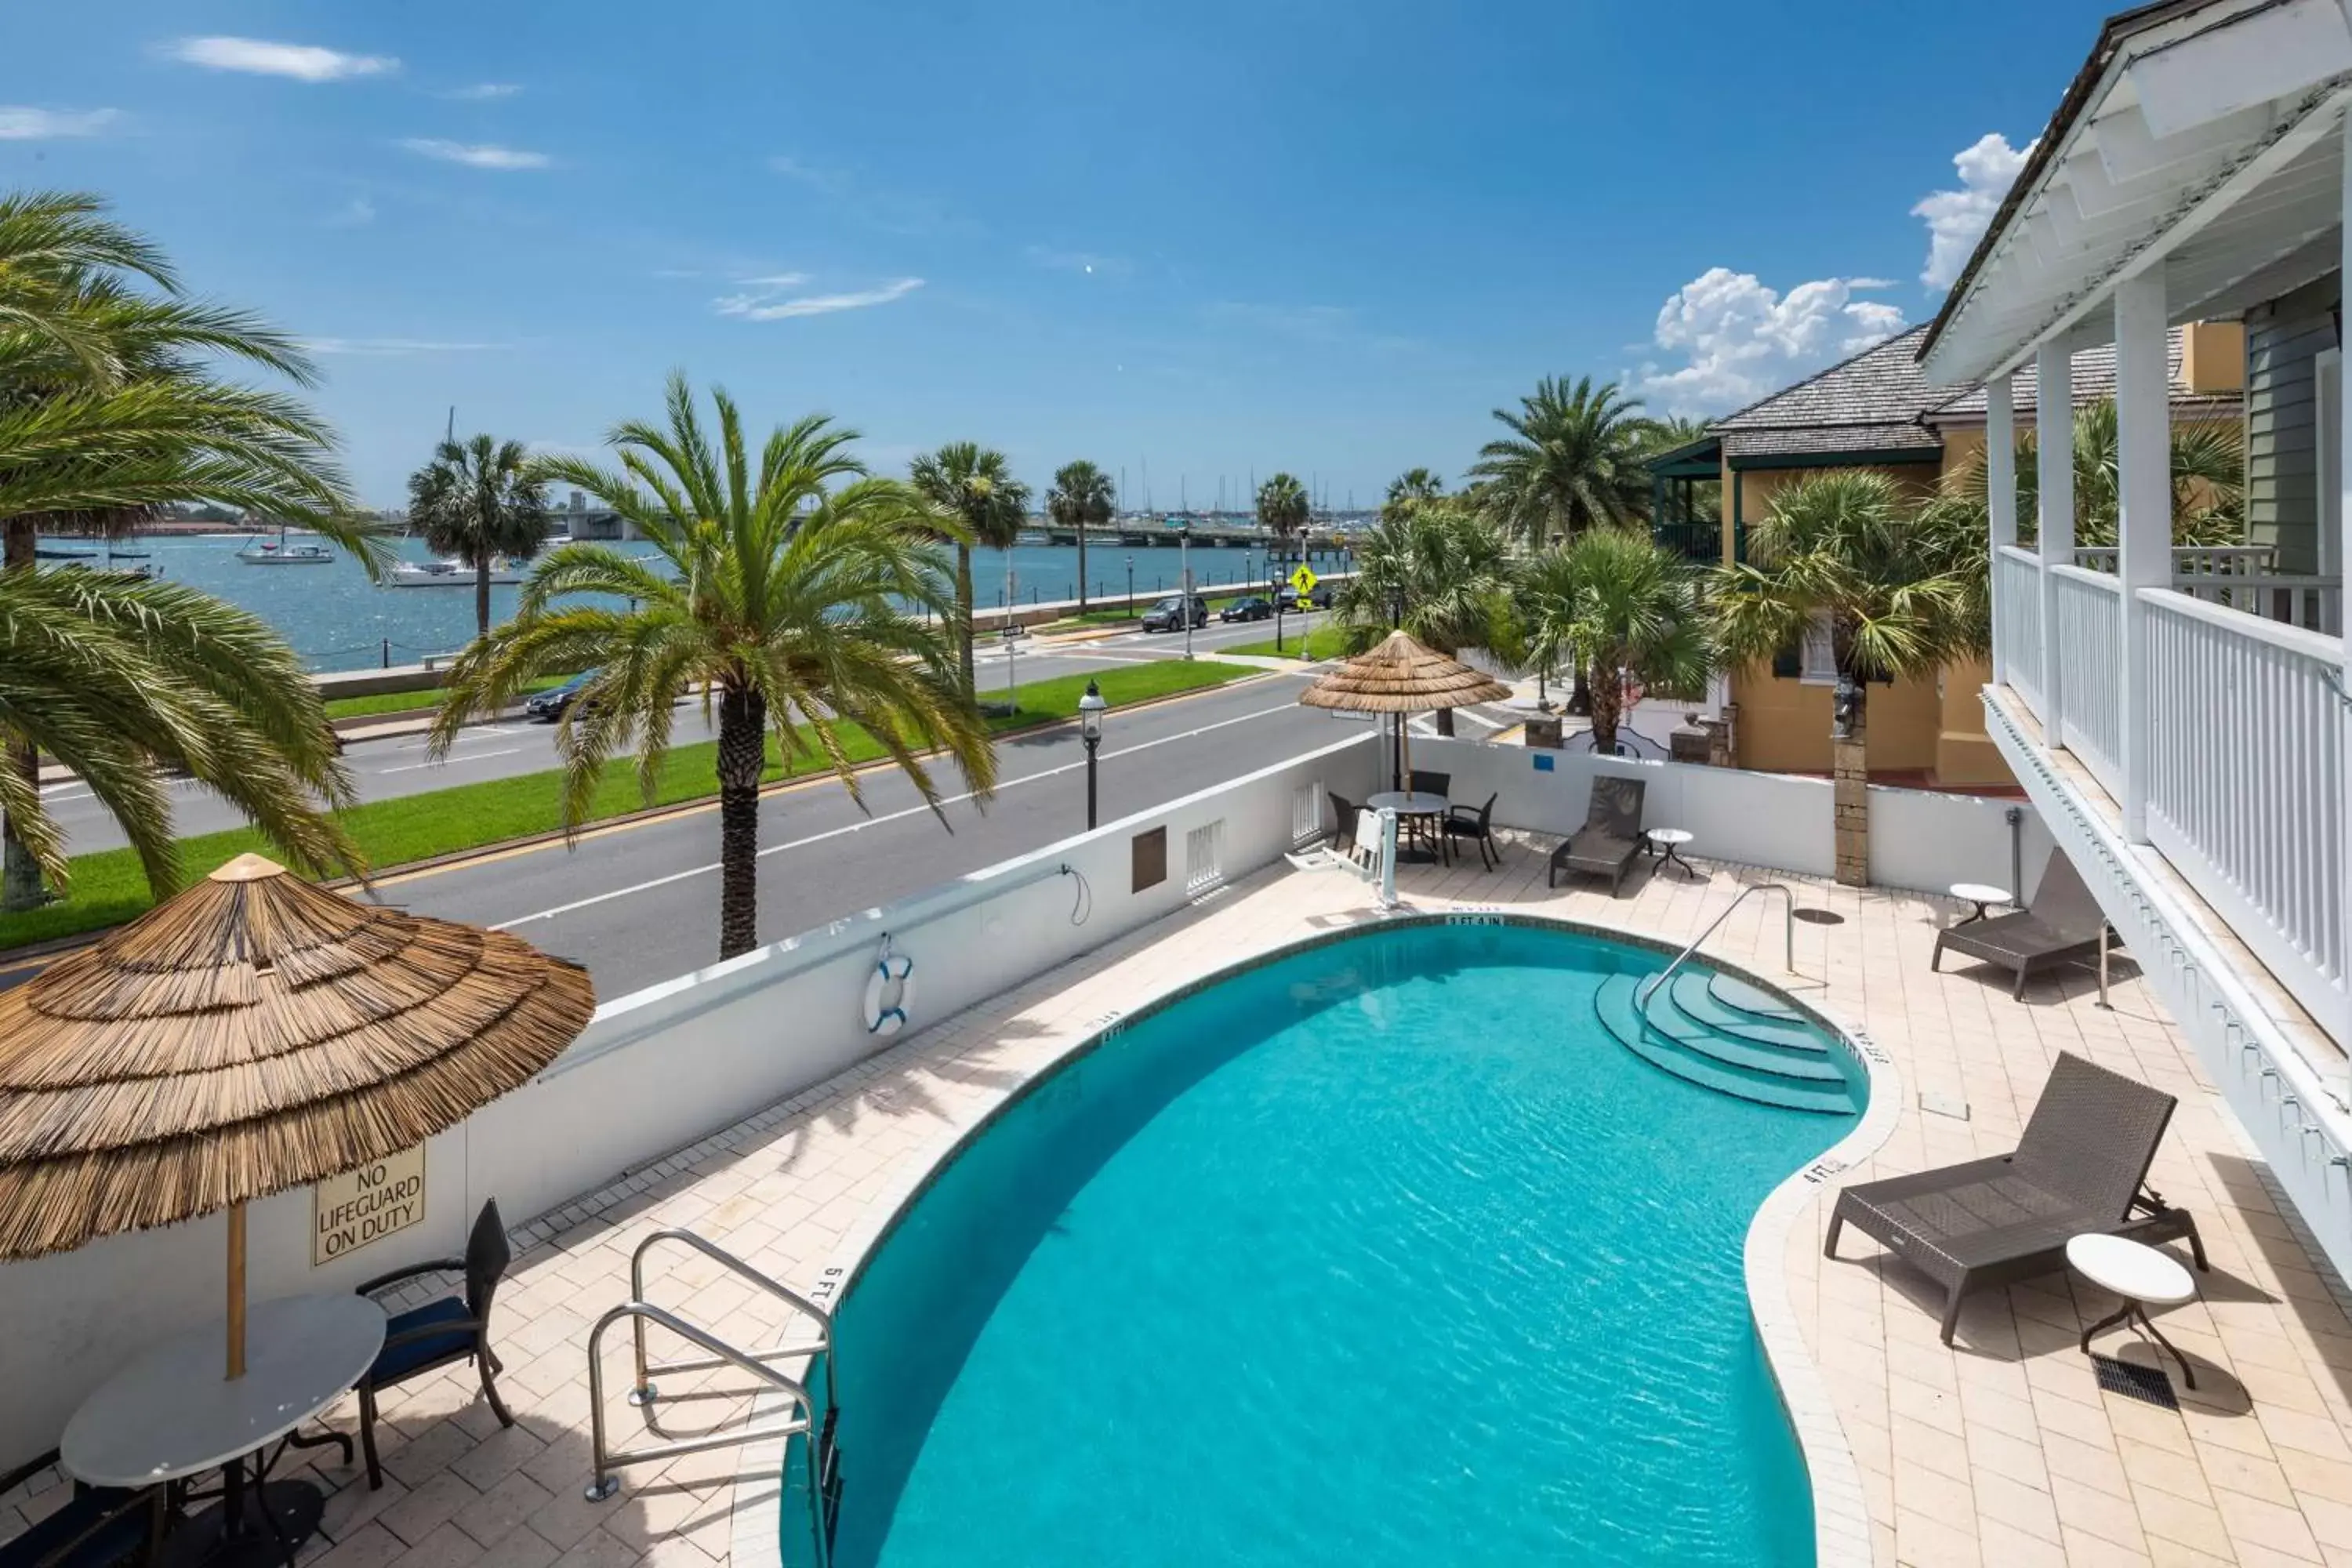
(2187, 745)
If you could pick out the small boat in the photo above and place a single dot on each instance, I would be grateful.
(278, 551)
(447, 574)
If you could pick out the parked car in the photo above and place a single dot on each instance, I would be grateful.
(1250, 609)
(1167, 615)
(552, 704)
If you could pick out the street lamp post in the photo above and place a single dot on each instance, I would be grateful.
(1184, 580)
(1091, 707)
(1131, 587)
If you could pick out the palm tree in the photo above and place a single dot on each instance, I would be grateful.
(1415, 487)
(123, 680)
(1621, 608)
(478, 500)
(975, 486)
(1895, 589)
(1440, 573)
(793, 590)
(110, 405)
(1082, 497)
(1283, 509)
(1573, 459)
(2208, 476)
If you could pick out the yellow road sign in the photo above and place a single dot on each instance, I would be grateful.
(1303, 580)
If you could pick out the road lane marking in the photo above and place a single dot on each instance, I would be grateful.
(865, 823)
(468, 757)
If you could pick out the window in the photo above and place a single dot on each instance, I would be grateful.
(1817, 659)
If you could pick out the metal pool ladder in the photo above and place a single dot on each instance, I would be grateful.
(1789, 957)
(802, 1417)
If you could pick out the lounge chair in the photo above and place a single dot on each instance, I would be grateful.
(1610, 839)
(2078, 1169)
(1478, 827)
(2063, 923)
(94, 1528)
(439, 1334)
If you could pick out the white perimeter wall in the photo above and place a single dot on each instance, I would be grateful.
(655, 1070)
(1918, 839)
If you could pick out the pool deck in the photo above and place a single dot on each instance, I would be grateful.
(2003, 1451)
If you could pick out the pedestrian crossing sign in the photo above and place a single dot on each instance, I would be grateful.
(1303, 580)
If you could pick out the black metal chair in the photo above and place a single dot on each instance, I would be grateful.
(1477, 826)
(1427, 783)
(95, 1528)
(1343, 823)
(453, 1329)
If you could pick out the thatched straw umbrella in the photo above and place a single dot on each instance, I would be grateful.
(1401, 676)
(255, 1033)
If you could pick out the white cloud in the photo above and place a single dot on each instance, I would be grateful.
(759, 303)
(1739, 340)
(391, 347)
(20, 123)
(1958, 219)
(483, 155)
(303, 62)
(482, 92)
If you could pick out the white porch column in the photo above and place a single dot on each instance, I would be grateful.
(2054, 428)
(2144, 529)
(2344, 522)
(2001, 496)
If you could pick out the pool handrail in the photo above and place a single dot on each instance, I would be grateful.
(1789, 956)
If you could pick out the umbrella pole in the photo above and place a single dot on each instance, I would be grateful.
(236, 1291)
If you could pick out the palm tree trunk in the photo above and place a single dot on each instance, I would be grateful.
(1608, 701)
(742, 748)
(20, 874)
(1445, 721)
(963, 603)
(1580, 695)
(1082, 566)
(482, 597)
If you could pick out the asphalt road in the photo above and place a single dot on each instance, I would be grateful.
(385, 769)
(639, 903)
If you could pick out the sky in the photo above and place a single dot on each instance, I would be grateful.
(1185, 242)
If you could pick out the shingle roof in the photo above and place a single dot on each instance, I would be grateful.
(1878, 402)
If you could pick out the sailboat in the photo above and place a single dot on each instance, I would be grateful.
(260, 551)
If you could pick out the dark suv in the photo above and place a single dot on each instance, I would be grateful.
(1167, 615)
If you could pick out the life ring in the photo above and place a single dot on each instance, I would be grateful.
(890, 967)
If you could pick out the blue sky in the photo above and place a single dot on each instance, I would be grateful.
(1212, 238)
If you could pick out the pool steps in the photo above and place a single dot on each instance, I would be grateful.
(1729, 1037)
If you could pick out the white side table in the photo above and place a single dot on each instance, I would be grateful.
(1980, 894)
(2143, 1277)
(1668, 842)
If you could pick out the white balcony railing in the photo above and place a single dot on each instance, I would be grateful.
(2086, 643)
(2245, 789)
(2238, 577)
(2017, 629)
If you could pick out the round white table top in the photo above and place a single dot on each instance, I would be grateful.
(2130, 1269)
(1980, 892)
(1411, 803)
(171, 1413)
(1670, 834)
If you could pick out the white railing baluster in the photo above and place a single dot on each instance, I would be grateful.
(2086, 643)
(2018, 628)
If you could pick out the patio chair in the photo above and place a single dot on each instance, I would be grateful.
(1477, 826)
(1343, 823)
(2080, 1167)
(1427, 783)
(2063, 924)
(1610, 839)
(452, 1329)
(95, 1527)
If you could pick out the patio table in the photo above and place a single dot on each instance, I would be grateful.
(1414, 807)
(170, 1413)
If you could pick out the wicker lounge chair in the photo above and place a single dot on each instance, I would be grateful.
(2079, 1168)
(2063, 923)
(1610, 839)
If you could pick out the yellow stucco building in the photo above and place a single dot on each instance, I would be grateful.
(1876, 412)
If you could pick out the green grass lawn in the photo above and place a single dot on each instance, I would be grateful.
(108, 886)
(424, 701)
(1324, 642)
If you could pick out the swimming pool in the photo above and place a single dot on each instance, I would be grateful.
(1388, 1251)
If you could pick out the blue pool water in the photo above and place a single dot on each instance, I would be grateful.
(1384, 1253)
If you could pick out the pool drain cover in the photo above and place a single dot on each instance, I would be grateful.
(2133, 1381)
(1820, 918)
